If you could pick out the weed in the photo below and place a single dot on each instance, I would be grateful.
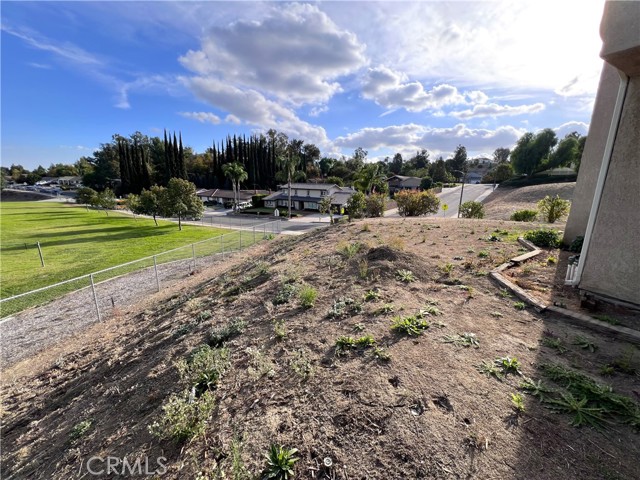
(386, 308)
(607, 319)
(524, 216)
(363, 269)
(471, 250)
(463, 340)
(261, 268)
(358, 327)
(371, 295)
(259, 365)
(184, 417)
(280, 329)
(555, 343)
(405, 276)
(517, 401)
(496, 314)
(483, 254)
(365, 228)
(307, 296)
(80, 429)
(490, 370)
(301, 365)
(544, 238)
(381, 354)
(396, 243)
(551, 260)
(537, 389)
(585, 343)
(447, 268)
(494, 238)
(582, 414)
(410, 325)
(505, 293)
(519, 305)
(343, 344)
(219, 335)
(343, 307)
(280, 463)
(204, 315)
(203, 369)
(623, 364)
(366, 341)
(508, 365)
(238, 469)
(349, 250)
(285, 294)
(268, 236)
(607, 370)
(429, 310)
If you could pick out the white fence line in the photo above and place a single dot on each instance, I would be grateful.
(211, 247)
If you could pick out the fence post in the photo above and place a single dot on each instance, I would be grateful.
(264, 231)
(40, 252)
(155, 267)
(193, 251)
(240, 238)
(95, 297)
(254, 234)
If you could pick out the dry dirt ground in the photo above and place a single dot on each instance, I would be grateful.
(427, 412)
(505, 200)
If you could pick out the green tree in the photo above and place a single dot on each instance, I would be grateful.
(106, 200)
(566, 153)
(86, 196)
(371, 177)
(236, 173)
(179, 199)
(501, 155)
(288, 164)
(356, 205)
(440, 173)
(501, 173)
(396, 164)
(532, 150)
(325, 207)
(416, 203)
(426, 183)
(148, 202)
(459, 162)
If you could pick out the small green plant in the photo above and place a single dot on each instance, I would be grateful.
(551, 260)
(607, 319)
(259, 365)
(238, 470)
(405, 276)
(585, 343)
(582, 414)
(624, 363)
(366, 228)
(358, 327)
(343, 344)
(483, 254)
(410, 325)
(381, 354)
(285, 294)
(363, 269)
(494, 238)
(537, 389)
(544, 238)
(203, 369)
(184, 417)
(555, 343)
(366, 341)
(343, 307)
(517, 401)
(80, 429)
(349, 250)
(508, 365)
(307, 296)
(280, 329)
(519, 305)
(386, 308)
(204, 315)
(576, 245)
(301, 364)
(490, 370)
(463, 340)
(524, 216)
(371, 295)
(219, 335)
(497, 314)
(447, 268)
(429, 310)
(505, 293)
(553, 208)
(280, 463)
(607, 370)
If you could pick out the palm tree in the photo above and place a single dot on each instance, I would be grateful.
(236, 173)
(288, 164)
(369, 176)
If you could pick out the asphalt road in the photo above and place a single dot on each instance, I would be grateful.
(451, 197)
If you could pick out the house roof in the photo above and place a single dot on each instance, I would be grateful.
(404, 181)
(310, 186)
(225, 194)
(339, 198)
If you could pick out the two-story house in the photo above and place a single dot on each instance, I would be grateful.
(307, 196)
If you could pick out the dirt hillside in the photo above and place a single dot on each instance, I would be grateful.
(506, 200)
(390, 406)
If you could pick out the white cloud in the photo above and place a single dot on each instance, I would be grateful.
(569, 127)
(295, 54)
(232, 119)
(413, 137)
(202, 117)
(316, 111)
(495, 110)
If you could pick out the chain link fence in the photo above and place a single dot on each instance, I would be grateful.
(100, 292)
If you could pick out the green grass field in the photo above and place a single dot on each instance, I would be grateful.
(76, 242)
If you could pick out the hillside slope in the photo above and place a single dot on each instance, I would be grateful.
(424, 412)
(506, 200)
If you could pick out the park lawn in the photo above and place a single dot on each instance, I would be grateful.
(76, 241)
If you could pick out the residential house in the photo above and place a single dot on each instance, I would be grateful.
(220, 197)
(307, 196)
(70, 181)
(606, 205)
(400, 182)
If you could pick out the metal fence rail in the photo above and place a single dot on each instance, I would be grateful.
(149, 274)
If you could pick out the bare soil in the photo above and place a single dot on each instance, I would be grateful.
(426, 413)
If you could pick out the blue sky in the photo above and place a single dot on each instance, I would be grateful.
(386, 76)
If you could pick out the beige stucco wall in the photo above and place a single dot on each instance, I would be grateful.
(592, 154)
(612, 264)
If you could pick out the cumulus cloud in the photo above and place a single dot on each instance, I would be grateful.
(413, 136)
(495, 110)
(569, 127)
(316, 111)
(202, 117)
(295, 54)
(391, 89)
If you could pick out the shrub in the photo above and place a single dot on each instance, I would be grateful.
(356, 205)
(184, 417)
(80, 429)
(219, 335)
(405, 276)
(524, 216)
(543, 237)
(426, 183)
(576, 245)
(413, 204)
(472, 210)
(285, 294)
(554, 208)
(308, 296)
(375, 205)
(202, 371)
(349, 250)
(411, 325)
